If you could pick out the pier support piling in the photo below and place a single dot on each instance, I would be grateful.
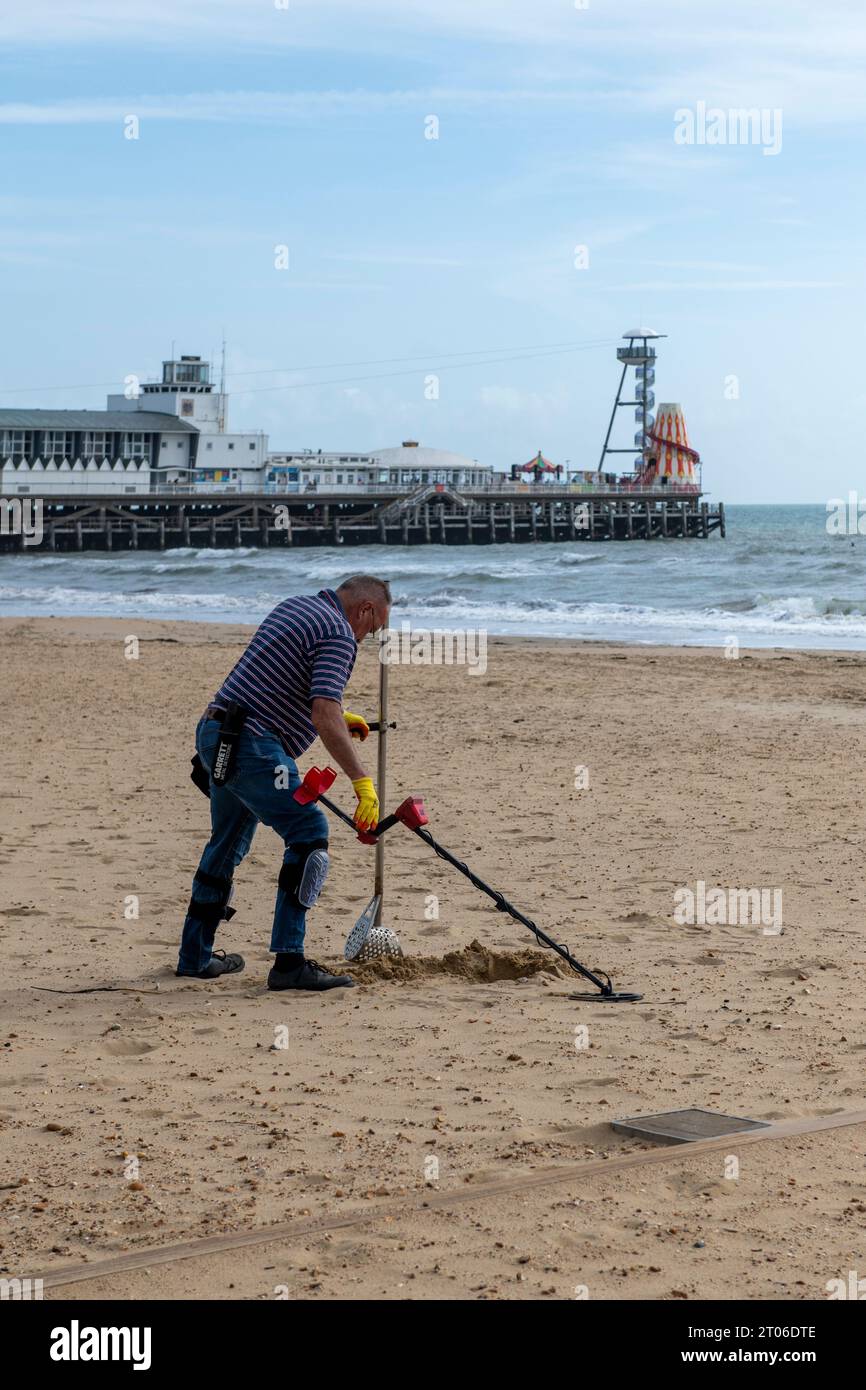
(481, 518)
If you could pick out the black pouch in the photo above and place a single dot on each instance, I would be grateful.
(226, 750)
(200, 775)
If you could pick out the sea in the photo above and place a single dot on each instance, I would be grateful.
(779, 579)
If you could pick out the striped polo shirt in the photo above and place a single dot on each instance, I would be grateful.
(303, 649)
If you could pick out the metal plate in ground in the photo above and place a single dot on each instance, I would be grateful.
(684, 1126)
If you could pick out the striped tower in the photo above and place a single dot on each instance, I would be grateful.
(676, 458)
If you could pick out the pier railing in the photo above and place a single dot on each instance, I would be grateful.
(501, 490)
(128, 484)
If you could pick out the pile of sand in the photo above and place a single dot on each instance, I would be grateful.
(475, 962)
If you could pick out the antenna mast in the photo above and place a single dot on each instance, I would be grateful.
(222, 414)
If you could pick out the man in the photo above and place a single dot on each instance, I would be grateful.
(286, 688)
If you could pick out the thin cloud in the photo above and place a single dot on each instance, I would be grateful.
(670, 25)
(668, 286)
(815, 97)
(392, 258)
(275, 106)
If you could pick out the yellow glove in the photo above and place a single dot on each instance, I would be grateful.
(358, 727)
(367, 810)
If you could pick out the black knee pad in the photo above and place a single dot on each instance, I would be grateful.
(212, 913)
(304, 880)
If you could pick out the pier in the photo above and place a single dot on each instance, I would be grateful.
(160, 470)
(432, 515)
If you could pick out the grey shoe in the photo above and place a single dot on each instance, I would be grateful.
(219, 964)
(310, 975)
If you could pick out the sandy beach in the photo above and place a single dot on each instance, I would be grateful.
(165, 1110)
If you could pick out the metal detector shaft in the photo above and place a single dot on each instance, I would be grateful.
(503, 905)
(412, 815)
(312, 788)
(335, 811)
(381, 776)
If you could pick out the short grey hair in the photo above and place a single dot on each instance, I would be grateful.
(361, 586)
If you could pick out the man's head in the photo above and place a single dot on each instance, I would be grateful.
(366, 602)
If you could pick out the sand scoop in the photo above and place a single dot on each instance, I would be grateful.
(411, 813)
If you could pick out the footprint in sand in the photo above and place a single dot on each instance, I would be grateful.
(128, 1047)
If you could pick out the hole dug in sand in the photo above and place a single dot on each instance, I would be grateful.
(475, 962)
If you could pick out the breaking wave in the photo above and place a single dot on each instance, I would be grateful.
(807, 592)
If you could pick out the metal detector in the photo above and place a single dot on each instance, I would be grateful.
(412, 814)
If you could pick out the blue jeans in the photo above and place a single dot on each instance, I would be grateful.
(255, 792)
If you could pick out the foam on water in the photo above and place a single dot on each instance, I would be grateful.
(778, 580)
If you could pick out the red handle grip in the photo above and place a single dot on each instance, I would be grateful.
(316, 782)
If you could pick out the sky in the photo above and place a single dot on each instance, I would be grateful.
(468, 290)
